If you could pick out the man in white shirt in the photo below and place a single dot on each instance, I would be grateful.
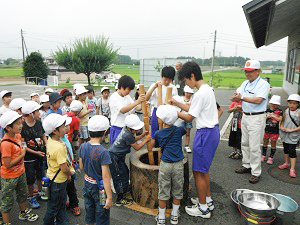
(254, 96)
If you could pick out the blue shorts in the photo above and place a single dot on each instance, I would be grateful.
(84, 133)
(154, 123)
(187, 125)
(114, 133)
(205, 145)
(94, 212)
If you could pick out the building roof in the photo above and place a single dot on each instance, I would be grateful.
(271, 20)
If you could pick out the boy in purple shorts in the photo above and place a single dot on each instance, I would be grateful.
(203, 110)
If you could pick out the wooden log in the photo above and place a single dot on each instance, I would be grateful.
(168, 95)
(144, 180)
(146, 121)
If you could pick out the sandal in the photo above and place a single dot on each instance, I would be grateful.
(232, 154)
(236, 156)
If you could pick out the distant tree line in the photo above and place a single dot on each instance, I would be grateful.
(126, 59)
(230, 61)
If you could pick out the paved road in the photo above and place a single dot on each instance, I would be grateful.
(223, 181)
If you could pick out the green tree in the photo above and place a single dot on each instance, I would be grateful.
(87, 55)
(34, 66)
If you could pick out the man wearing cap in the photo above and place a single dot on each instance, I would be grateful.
(253, 94)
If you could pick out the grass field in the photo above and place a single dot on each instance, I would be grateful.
(234, 78)
(11, 72)
(230, 78)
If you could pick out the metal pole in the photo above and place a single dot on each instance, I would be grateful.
(213, 59)
(23, 52)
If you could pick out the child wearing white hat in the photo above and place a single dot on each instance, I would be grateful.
(95, 160)
(35, 97)
(6, 98)
(59, 169)
(45, 102)
(118, 151)
(13, 178)
(16, 105)
(290, 133)
(34, 136)
(274, 117)
(171, 174)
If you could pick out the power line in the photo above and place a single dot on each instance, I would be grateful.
(249, 47)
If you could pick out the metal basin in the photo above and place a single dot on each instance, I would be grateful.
(258, 204)
(287, 209)
(235, 193)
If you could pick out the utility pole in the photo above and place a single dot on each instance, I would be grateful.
(203, 56)
(213, 59)
(22, 38)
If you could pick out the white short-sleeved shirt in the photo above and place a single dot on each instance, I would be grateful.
(203, 107)
(116, 103)
(154, 96)
(258, 88)
(4, 109)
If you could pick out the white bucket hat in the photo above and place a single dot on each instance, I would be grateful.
(44, 98)
(81, 90)
(276, 99)
(103, 89)
(30, 107)
(16, 104)
(187, 89)
(54, 120)
(4, 92)
(34, 94)
(294, 97)
(167, 113)
(98, 123)
(49, 90)
(76, 106)
(75, 86)
(8, 118)
(133, 121)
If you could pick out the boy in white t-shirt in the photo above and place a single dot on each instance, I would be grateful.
(167, 76)
(121, 105)
(203, 109)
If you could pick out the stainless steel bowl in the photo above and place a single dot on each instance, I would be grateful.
(235, 193)
(258, 204)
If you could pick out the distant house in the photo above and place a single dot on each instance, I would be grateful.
(272, 20)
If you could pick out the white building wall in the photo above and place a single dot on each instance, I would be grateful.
(148, 73)
(293, 42)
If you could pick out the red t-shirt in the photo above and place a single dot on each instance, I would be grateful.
(12, 151)
(74, 125)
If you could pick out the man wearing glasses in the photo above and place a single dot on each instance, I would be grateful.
(254, 95)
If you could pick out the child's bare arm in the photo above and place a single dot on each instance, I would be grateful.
(98, 110)
(141, 136)
(8, 163)
(127, 108)
(83, 114)
(65, 169)
(149, 92)
(107, 187)
(282, 122)
(185, 117)
(80, 164)
(220, 112)
(139, 146)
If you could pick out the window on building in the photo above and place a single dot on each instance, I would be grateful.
(291, 66)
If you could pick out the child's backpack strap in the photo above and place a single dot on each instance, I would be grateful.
(170, 137)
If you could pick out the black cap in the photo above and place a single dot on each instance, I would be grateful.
(54, 97)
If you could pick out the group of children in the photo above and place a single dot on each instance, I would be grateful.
(285, 125)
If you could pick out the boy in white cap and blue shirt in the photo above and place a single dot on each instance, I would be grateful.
(94, 159)
(254, 96)
(274, 117)
(118, 151)
(171, 174)
(59, 169)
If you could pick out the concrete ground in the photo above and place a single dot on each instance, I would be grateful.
(223, 180)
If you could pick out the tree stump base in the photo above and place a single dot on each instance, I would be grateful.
(144, 179)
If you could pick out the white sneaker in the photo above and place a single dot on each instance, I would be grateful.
(160, 221)
(174, 219)
(188, 149)
(197, 211)
(210, 204)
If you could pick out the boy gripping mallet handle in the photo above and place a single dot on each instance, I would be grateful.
(146, 121)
